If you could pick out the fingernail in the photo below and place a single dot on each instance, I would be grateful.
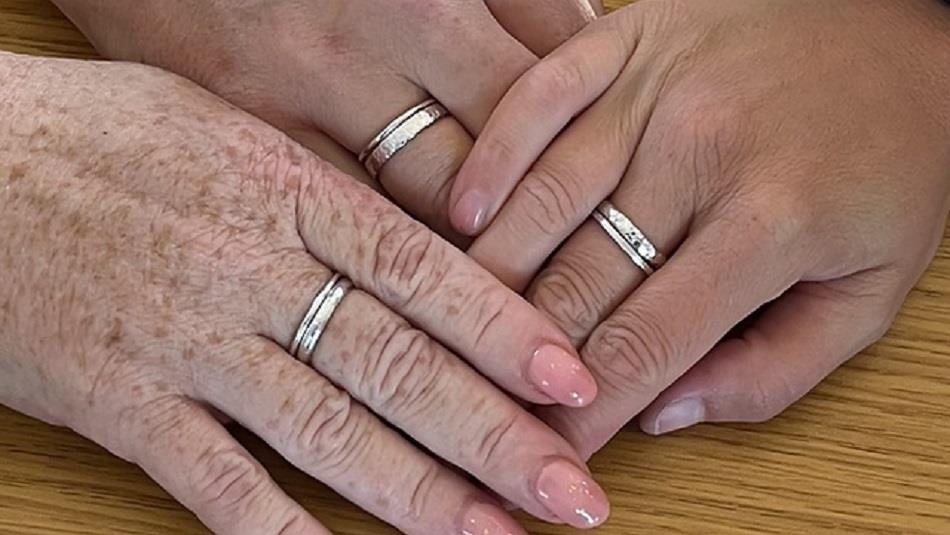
(561, 376)
(572, 495)
(588, 9)
(469, 213)
(680, 414)
(484, 519)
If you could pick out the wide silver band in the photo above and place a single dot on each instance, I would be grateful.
(399, 133)
(318, 316)
(631, 240)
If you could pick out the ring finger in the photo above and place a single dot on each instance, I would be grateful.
(591, 273)
(415, 384)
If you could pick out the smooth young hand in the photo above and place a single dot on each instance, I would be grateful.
(789, 154)
(333, 73)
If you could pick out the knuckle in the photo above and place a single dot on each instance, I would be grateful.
(228, 481)
(500, 430)
(408, 263)
(505, 147)
(423, 489)
(552, 189)
(403, 367)
(555, 79)
(328, 434)
(269, 163)
(142, 423)
(571, 295)
(779, 217)
(489, 308)
(632, 349)
(768, 400)
(711, 145)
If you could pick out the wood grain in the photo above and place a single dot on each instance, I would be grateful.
(867, 452)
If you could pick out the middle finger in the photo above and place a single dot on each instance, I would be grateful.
(418, 386)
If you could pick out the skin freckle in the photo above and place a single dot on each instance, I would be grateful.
(114, 336)
(17, 172)
(287, 406)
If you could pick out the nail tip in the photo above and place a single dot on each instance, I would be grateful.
(468, 213)
(680, 414)
(571, 495)
(558, 374)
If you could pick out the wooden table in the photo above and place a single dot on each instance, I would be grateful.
(867, 452)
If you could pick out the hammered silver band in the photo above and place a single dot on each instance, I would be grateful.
(399, 133)
(631, 240)
(315, 321)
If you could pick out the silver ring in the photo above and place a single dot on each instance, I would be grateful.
(399, 133)
(315, 321)
(631, 240)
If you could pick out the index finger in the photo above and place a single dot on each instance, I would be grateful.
(438, 288)
(538, 106)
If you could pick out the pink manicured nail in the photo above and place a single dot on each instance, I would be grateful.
(680, 414)
(572, 495)
(484, 519)
(561, 376)
(469, 214)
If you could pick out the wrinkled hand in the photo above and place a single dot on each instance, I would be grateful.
(786, 154)
(332, 74)
(159, 250)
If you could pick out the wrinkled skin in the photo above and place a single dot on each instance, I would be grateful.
(159, 250)
(790, 155)
(333, 73)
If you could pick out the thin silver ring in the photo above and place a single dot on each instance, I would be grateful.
(392, 126)
(631, 240)
(399, 133)
(315, 321)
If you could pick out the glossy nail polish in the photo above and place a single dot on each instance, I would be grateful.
(485, 519)
(561, 376)
(572, 495)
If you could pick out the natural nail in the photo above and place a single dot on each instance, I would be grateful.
(680, 414)
(561, 376)
(485, 519)
(588, 9)
(572, 495)
(469, 213)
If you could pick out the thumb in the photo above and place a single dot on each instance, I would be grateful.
(799, 340)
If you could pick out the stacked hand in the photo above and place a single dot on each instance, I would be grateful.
(157, 263)
(786, 156)
(332, 74)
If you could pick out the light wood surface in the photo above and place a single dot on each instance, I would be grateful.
(867, 452)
